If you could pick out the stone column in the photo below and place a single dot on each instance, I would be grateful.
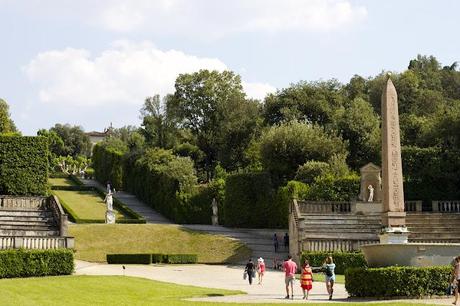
(393, 196)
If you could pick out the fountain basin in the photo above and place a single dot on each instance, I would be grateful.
(410, 254)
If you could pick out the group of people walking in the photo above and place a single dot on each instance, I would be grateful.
(251, 269)
(290, 269)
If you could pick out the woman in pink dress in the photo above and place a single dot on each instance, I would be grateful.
(260, 269)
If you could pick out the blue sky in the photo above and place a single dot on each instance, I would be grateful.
(90, 63)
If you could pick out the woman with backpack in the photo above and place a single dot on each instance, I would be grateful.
(329, 271)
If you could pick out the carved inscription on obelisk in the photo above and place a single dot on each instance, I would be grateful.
(392, 179)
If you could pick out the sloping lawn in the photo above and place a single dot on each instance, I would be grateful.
(60, 181)
(94, 241)
(85, 204)
(115, 290)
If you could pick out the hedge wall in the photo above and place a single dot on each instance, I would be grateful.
(108, 166)
(28, 263)
(342, 260)
(23, 165)
(251, 201)
(397, 281)
(151, 258)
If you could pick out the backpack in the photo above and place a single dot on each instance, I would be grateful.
(328, 271)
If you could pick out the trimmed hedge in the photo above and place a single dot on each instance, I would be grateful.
(145, 259)
(151, 258)
(134, 218)
(342, 260)
(108, 165)
(251, 201)
(397, 281)
(23, 165)
(28, 263)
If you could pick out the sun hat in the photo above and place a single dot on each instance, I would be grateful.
(260, 259)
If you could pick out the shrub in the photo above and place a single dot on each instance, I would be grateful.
(182, 258)
(397, 281)
(145, 259)
(331, 188)
(310, 170)
(174, 258)
(108, 164)
(251, 201)
(342, 260)
(28, 263)
(23, 165)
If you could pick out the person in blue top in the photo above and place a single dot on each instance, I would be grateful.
(329, 271)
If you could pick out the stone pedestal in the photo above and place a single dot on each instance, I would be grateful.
(366, 208)
(394, 235)
(394, 218)
(110, 217)
(215, 220)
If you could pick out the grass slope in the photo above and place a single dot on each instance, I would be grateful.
(113, 290)
(94, 241)
(60, 181)
(85, 204)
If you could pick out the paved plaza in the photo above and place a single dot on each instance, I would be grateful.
(230, 277)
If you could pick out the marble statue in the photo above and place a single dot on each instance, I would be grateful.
(214, 217)
(109, 201)
(371, 193)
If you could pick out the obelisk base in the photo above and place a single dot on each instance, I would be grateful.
(394, 235)
(394, 218)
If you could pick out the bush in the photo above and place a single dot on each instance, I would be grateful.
(310, 170)
(108, 165)
(397, 281)
(28, 263)
(331, 188)
(175, 258)
(251, 201)
(145, 259)
(23, 165)
(342, 260)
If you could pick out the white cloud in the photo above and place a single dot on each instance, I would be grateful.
(258, 90)
(217, 18)
(123, 75)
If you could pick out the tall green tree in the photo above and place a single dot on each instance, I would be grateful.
(76, 142)
(157, 128)
(6, 123)
(212, 105)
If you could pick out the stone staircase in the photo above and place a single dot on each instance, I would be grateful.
(258, 240)
(433, 227)
(38, 223)
(33, 223)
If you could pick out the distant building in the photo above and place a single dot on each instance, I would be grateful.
(95, 137)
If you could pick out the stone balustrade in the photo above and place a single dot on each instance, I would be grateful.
(446, 206)
(59, 215)
(23, 203)
(15, 242)
(413, 206)
(332, 245)
(308, 207)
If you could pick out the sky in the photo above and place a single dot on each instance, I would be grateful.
(93, 63)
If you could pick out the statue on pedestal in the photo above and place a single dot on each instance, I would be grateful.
(214, 217)
(109, 214)
(371, 193)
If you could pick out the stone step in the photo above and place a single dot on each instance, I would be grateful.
(342, 216)
(341, 222)
(343, 225)
(5, 223)
(30, 233)
(437, 240)
(23, 213)
(344, 236)
(42, 226)
(431, 235)
(25, 218)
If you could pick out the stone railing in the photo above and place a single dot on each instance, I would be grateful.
(10, 242)
(413, 206)
(446, 206)
(324, 207)
(332, 245)
(295, 230)
(23, 203)
(59, 215)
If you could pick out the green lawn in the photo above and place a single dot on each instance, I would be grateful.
(58, 181)
(112, 290)
(94, 241)
(85, 204)
(319, 277)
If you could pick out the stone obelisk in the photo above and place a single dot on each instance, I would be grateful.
(394, 217)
